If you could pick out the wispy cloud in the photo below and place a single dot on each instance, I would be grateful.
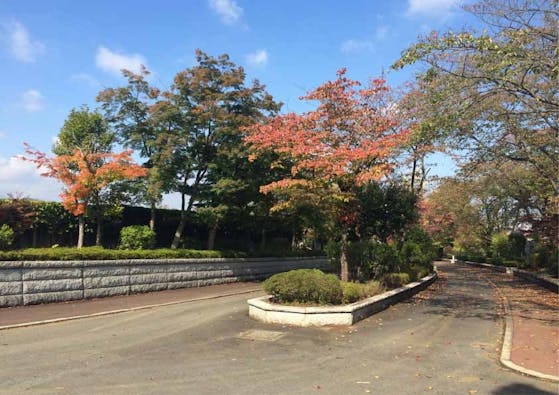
(115, 62)
(3, 134)
(258, 58)
(20, 43)
(17, 176)
(228, 10)
(86, 78)
(353, 46)
(432, 8)
(33, 100)
(381, 32)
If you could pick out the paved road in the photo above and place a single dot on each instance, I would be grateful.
(444, 341)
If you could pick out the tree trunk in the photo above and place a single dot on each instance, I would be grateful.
(152, 215)
(180, 227)
(413, 175)
(184, 212)
(81, 230)
(99, 231)
(211, 237)
(182, 222)
(344, 268)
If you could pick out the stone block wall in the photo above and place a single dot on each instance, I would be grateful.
(33, 282)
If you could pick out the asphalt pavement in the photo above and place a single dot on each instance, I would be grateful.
(445, 340)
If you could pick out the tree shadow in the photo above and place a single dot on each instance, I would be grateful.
(520, 389)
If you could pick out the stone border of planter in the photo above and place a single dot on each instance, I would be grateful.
(547, 282)
(262, 310)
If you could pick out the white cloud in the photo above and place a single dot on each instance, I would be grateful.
(18, 176)
(228, 10)
(258, 58)
(431, 7)
(20, 43)
(33, 100)
(114, 62)
(3, 134)
(381, 32)
(353, 46)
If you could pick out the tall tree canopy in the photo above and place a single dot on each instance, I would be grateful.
(204, 111)
(495, 92)
(129, 110)
(349, 140)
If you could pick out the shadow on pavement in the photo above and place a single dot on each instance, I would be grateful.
(520, 389)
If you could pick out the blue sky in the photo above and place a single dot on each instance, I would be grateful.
(56, 55)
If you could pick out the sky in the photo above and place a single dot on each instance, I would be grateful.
(57, 55)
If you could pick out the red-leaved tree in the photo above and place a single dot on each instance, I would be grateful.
(83, 175)
(351, 138)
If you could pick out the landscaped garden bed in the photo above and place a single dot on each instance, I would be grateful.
(309, 297)
(264, 309)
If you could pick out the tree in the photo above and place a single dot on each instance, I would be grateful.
(500, 85)
(84, 176)
(88, 132)
(129, 110)
(349, 140)
(202, 116)
(386, 210)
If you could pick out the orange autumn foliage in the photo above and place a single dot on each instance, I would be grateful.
(352, 135)
(84, 174)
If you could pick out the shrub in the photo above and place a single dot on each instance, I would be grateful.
(395, 280)
(517, 245)
(306, 286)
(137, 237)
(6, 236)
(417, 272)
(500, 247)
(366, 259)
(352, 292)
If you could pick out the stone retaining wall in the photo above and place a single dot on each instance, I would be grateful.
(32, 282)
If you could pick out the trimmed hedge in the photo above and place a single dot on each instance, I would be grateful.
(395, 280)
(99, 253)
(305, 286)
(357, 291)
(137, 237)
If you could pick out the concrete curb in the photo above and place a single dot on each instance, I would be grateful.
(544, 282)
(110, 312)
(507, 342)
(262, 310)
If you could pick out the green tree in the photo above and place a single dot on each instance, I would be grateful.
(130, 110)
(386, 210)
(203, 113)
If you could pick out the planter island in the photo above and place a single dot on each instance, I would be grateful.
(262, 309)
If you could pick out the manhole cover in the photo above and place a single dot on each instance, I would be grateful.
(255, 334)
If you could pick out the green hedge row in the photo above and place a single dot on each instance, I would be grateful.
(99, 253)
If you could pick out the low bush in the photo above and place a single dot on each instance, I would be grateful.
(395, 280)
(366, 259)
(6, 236)
(417, 272)
(137, 237)
(305, 286)
(99, 253)
(352, 292)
